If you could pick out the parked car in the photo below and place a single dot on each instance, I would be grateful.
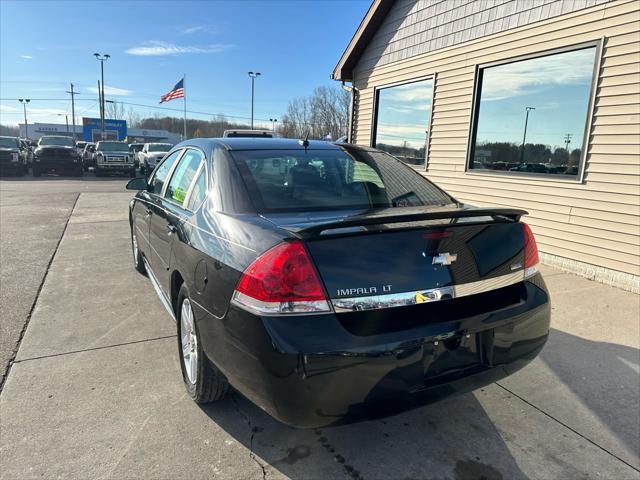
(134, 149)
(56, 154)
(248, 133)
(80, 147)
(151, 154)
(113, 156)
(336, 282)
(88, 156)
(11, 158)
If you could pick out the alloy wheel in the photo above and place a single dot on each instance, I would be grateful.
(189, 341)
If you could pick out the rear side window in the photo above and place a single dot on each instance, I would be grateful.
(292, 180)
(183, 175)
(199, 191)
(162, 171)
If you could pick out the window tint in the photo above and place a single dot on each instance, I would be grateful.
(184, 175)
(328, 179)
(161, 172)
(402, 120)
(199, 191)
(532, 114)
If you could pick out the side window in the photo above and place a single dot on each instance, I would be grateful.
(184, 175)
(199, 191)
(161, 172)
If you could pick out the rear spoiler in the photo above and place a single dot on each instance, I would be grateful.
(512, 214)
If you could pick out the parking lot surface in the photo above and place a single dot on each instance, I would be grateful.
(95, 389)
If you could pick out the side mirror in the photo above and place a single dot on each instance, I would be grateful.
(138, 183)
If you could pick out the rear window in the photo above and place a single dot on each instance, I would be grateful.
(292, 180)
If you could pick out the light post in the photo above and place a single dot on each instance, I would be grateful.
(24, 102)
(66, 119)
(524, 136)
(273, 123)
(102, 59)
(253, 86)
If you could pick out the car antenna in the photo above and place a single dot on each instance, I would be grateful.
(305, 142)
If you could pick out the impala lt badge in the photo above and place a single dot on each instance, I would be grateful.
(444, 259)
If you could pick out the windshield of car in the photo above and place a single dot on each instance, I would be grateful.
(332, 179)
(159, 147)
(62, 141)
(113, 147)
(8, 142)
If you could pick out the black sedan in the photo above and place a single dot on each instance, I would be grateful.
(330, 282)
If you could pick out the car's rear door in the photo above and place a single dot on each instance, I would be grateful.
(171, 212)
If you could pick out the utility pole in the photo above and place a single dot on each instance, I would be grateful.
(73, 111)
(524, 136)
(253, 87)
(567, 141)
(102, 59)
(24, 102)
(66, 119)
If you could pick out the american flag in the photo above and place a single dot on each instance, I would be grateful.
(175, 92)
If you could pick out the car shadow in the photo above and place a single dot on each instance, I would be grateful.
(604, 377)
(450, 439)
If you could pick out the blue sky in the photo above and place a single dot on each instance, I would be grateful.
(46, 45)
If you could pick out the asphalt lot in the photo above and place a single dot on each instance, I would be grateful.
(95, 389)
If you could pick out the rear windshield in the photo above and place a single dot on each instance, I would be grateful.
(64, 141)
(332, 179)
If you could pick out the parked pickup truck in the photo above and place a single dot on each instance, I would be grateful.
(56, 154)
(11, 156)
(151, 154)
(112, 156)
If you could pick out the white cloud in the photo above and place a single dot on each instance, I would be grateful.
(195, 29)
(26, 57)
(526, 77)
(156, 49)
(114, 91)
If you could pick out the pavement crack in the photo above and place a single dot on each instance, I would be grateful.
(133, 342)
(253, 430)
(567, 427)
(14, 353)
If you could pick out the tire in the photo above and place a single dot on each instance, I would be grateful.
(204, 382)
(138, 263)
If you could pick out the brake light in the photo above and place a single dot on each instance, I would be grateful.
(531, 259)
(282, 280)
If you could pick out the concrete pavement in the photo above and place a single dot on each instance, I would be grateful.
(96, 392)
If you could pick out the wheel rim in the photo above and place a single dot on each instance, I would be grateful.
(134, 246)
(189, 341)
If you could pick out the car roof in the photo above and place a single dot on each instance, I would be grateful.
(247, 143)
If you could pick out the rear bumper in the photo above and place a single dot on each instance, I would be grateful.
(311, 371)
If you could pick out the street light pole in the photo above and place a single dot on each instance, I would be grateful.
(24, 102)
(253, 81)
(273, 123)
(524, 135)
(102, 58)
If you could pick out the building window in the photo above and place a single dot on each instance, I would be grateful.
(403, 113)
(531, 115)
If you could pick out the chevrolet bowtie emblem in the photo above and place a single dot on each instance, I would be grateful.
(444, 259)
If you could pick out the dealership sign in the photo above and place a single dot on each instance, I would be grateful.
(113, 129)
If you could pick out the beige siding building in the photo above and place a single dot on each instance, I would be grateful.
(525, 103)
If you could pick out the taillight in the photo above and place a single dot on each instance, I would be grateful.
(282, 280)
(531, 259)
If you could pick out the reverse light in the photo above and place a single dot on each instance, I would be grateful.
(282, 280)
(531, 258)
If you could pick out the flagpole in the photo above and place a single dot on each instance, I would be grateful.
(184, 89)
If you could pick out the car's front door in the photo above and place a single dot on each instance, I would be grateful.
(154, 211)
(165, 225)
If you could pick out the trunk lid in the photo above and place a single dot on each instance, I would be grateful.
(395, 257)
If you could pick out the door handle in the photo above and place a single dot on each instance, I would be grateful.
(171, 229)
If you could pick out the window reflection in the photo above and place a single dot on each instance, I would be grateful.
(402, 120)
(532, 114)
